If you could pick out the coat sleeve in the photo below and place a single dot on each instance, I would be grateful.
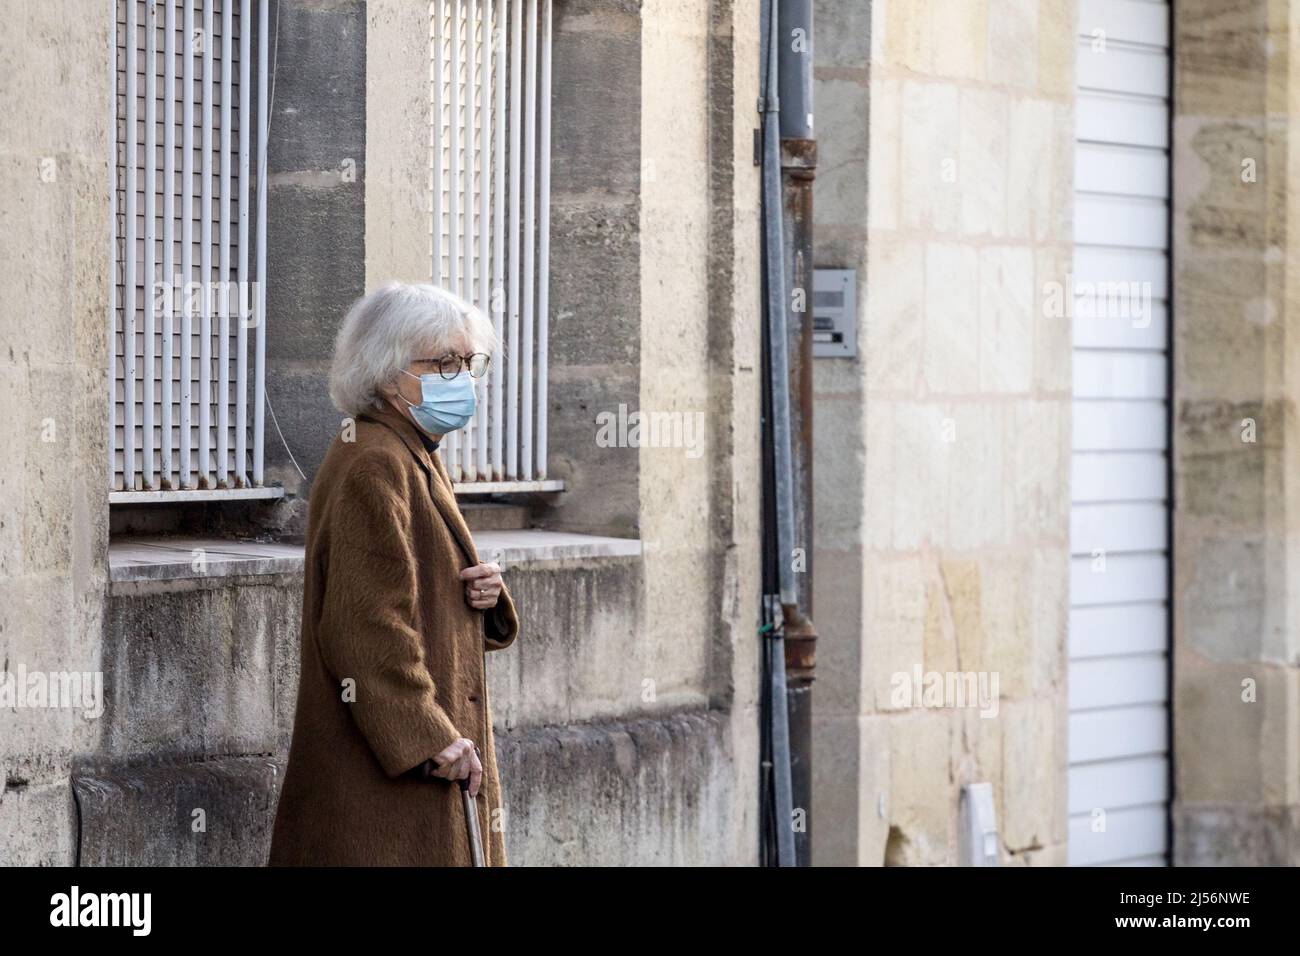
(501, 624)
(367, 629)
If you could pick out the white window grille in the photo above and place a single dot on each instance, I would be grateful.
(189, 340)
(489, 187)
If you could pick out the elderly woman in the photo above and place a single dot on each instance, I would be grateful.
(398, 611)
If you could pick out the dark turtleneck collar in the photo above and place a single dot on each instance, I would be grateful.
(430, 444)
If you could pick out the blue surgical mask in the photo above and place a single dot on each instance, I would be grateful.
(448, 403)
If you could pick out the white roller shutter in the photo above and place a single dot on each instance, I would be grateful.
(1119, 583)
(489, 189)
(189, 203)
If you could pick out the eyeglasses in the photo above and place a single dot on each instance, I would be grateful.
(449, 365)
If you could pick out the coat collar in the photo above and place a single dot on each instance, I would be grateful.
(439, 481)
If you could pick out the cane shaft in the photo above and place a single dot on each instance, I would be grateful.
(472, 826)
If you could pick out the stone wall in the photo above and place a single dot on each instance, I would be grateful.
(317, 229)
(699, 334)
(626, 713)
(1236, 441)
(945, 178)
(55, 234)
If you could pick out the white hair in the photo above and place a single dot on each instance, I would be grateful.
(385, 330)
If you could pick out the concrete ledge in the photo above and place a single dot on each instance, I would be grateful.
(585, 794)
(204, 494)
(167, 559)
(170, 559)
(541, 547)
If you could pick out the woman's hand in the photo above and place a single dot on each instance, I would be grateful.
(482, 585)
(458, 761)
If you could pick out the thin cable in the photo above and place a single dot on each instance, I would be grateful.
(275, 421)
(263, 173)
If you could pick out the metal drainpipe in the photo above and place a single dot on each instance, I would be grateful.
(798, 162)
(787, 222)
(779, 845)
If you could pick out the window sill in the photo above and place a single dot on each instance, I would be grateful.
(538, 486)
(196, 494)
(171, 559)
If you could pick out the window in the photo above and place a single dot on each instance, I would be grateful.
(489, 188)
(189, 254)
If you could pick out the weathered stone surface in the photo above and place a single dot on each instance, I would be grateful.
(580, 655)
(201, 671)
(316, 227)
(198, 667)
(56, 273)
(37, 821)
(216, 812)
(1231, 724)
(1236, 835)
(922, 801)
(656, 791)
(628, 772)
(1236, 738)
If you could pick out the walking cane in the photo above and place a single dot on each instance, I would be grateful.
(471, 823)
(476, 842)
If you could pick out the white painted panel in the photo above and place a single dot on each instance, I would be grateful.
(1114, 785)
(1131, 21)
(1118, 681)
(1118, 578)
(1118, 527)
(1140, 222)
(1115, 374)
(1129, 834)
(1122, 732)
(1147, 329)
(1118, 476)
(1121, 170)
(1116, 68)
(1132, 425)
(1106, 267)
(1114, 118)
(1108, 631)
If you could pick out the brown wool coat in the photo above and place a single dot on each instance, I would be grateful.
(384, 607)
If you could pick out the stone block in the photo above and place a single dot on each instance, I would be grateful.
(931, 174)
(1013, 43)
(982, 171)
(951, 319)
(1236, 836)
(1033, 784)
(959, 32)
(894, 315)
(216, 812)
(37, 822)
(923, 802)
(598, 794)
